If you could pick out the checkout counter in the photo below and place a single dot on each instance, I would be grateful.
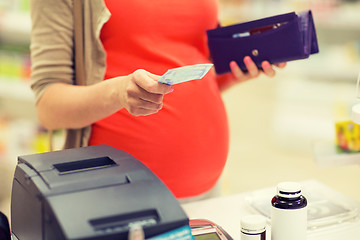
(98, 192)
(331, 215)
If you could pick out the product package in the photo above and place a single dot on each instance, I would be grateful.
(347, 137)
(276, 39)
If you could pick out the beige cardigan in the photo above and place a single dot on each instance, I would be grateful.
(52, 45)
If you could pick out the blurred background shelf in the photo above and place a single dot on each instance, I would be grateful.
(15, 27)
(327, 155)
(16, 89)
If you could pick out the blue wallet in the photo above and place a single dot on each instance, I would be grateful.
(276, 39)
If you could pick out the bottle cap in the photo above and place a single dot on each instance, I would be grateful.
(289, 189)
(253, 224)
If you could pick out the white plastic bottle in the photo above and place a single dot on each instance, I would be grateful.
(288, 213)
(253, 227)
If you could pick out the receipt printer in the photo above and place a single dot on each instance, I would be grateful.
(91, 193)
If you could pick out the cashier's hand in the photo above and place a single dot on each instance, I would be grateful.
(253, 71)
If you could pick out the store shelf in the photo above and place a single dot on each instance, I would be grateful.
(326, 155)
(15, 28)
(16, 89)
(306, 110)
(334, 25)
(325, 66)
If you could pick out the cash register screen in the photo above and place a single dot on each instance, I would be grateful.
(208, 236)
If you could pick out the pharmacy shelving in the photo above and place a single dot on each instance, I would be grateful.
(15, 27)
(327, 155)
(17, 89)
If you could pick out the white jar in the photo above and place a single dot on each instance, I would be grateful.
(253, 227)
(288, 213)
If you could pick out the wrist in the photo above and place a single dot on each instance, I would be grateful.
(111, 95)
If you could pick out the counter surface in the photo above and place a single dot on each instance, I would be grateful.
(227, 211)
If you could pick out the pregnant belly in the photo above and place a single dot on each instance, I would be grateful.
(185, 144)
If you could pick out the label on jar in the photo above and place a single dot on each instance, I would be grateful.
(288, 224)
(259, 236)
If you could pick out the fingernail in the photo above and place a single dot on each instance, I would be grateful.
(171, 89)
(247, 60)
(266, 65)
(232, 64)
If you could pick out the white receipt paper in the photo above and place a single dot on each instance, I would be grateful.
(184, 74)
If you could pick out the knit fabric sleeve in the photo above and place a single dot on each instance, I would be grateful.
(51, 44)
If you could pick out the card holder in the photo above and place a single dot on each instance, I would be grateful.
(277, 39)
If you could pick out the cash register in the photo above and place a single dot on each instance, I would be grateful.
(90, 193)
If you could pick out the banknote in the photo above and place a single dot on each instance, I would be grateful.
(184, 74)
